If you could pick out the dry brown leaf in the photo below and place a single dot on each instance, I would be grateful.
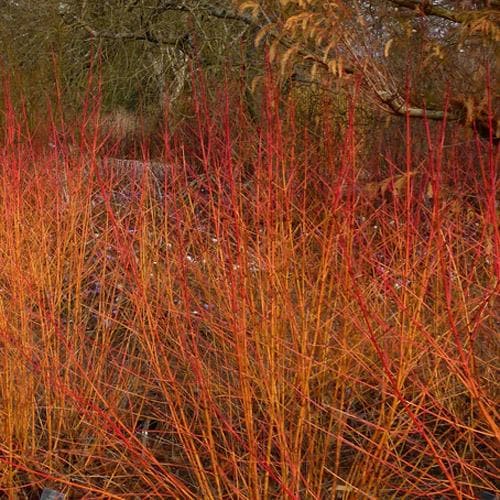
(387, 47)
(262, 33)
(286, 56)
(250, 5)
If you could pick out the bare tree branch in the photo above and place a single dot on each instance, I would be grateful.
(216, 11)
(140, 36)
(398, 106)
(427, 8)
(482, 123)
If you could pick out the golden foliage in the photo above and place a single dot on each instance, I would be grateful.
(387, 47)
(250, 5)
(305, 33)
(262, 33)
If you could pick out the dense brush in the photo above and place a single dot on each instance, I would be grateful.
(260, 313)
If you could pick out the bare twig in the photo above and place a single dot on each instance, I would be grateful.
(429, 9)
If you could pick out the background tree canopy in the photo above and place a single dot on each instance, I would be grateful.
(444, 49)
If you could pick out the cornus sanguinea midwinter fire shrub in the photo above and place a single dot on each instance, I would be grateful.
(258, 312)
